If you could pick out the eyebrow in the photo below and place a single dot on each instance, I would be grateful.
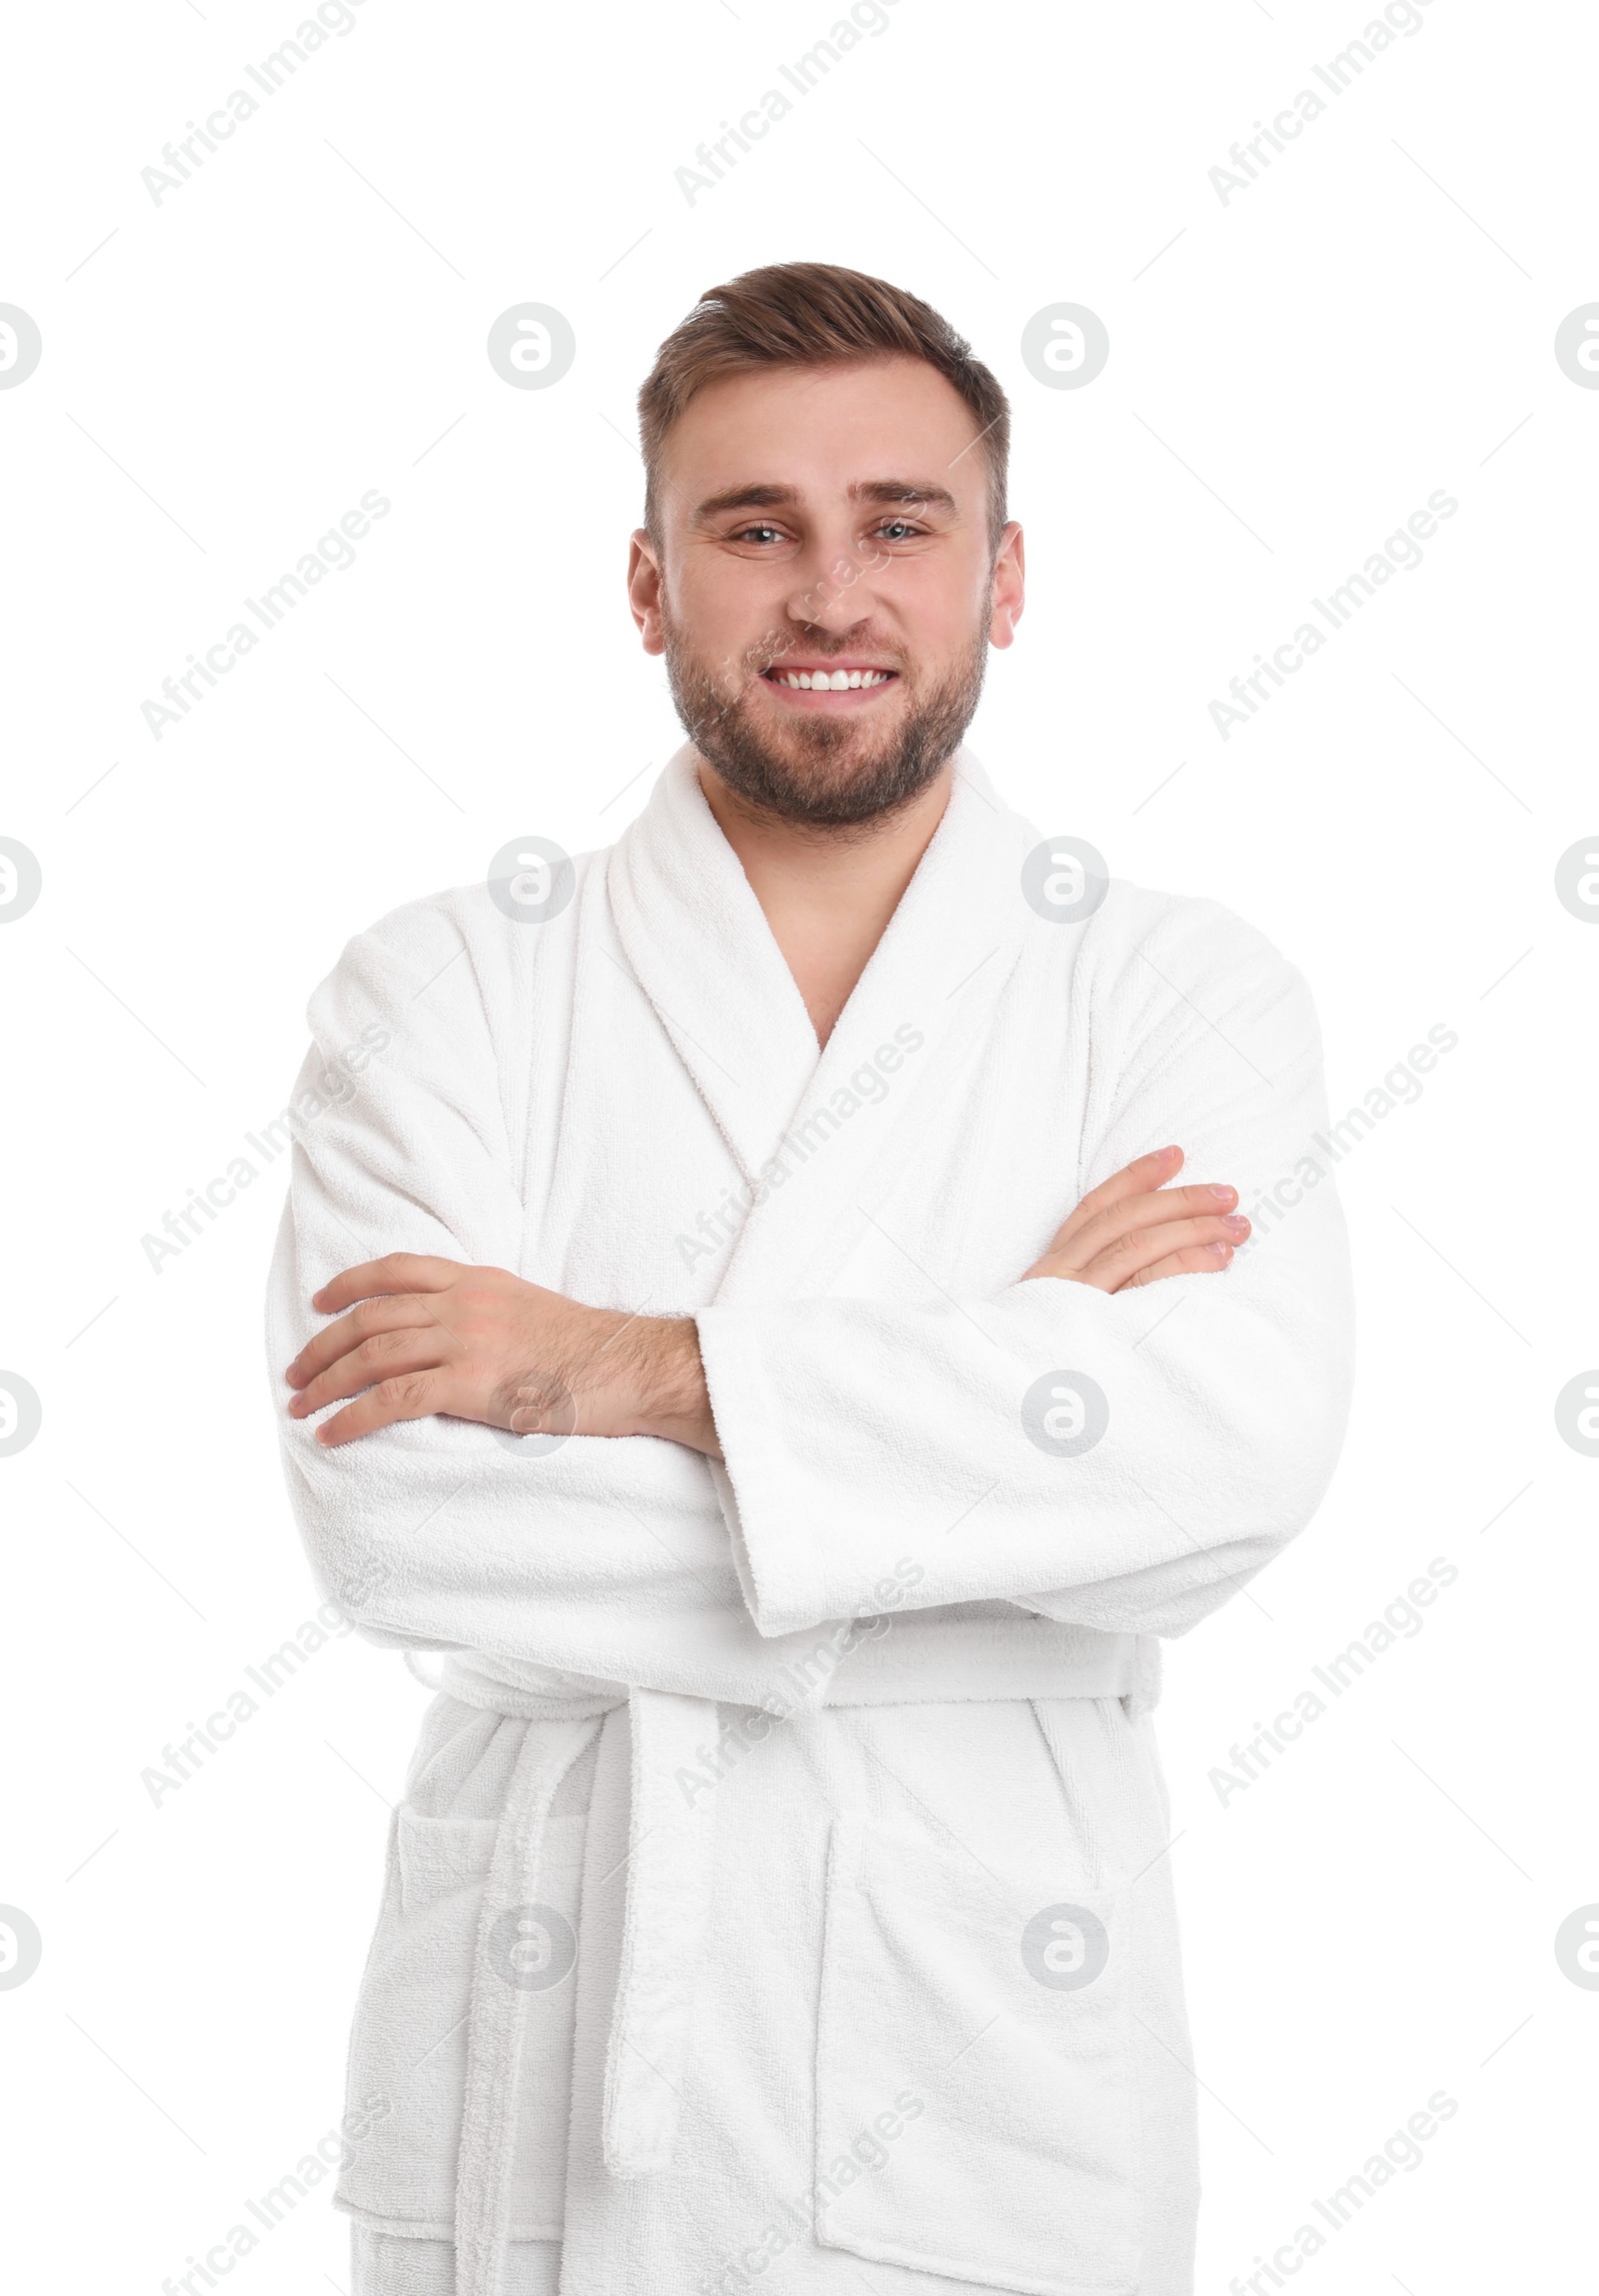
(767, 495)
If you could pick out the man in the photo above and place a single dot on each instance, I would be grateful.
(745, 1314)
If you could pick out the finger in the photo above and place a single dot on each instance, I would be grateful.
(363, 1322)
(387, 1355)
(1128, 1256)
(1196, 1260)
(396, 1271)
(411, 1396)
(1140, 1177)
(1147, 1210)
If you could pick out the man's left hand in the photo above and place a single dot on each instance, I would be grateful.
(425, 1335)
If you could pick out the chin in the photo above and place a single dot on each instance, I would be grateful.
(826, 773)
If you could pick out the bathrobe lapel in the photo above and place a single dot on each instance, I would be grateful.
(703, 952)
(819, 1157)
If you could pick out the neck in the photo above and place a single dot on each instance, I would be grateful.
(827, 894)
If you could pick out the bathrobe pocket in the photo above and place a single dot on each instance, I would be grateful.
(975, 2109)
(409, 2042)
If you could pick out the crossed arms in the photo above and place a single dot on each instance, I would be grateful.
(417, 1335)
(842, 1432)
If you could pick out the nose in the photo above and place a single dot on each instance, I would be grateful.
(834, 588)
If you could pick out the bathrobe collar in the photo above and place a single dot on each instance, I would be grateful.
(703, 952)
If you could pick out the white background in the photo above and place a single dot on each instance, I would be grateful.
(1291, 375)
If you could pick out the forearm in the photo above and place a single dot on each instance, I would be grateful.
(1052, 1440)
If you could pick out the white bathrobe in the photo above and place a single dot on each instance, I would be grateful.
(778, 1897)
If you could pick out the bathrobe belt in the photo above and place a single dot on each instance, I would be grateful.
(668, 1870)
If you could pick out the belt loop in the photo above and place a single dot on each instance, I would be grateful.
(1145, 1695)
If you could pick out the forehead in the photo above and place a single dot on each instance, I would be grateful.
(821, 430)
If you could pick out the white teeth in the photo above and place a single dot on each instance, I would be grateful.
(853, 679)
(835, 682)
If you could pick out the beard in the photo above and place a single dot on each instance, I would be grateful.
(823, 773)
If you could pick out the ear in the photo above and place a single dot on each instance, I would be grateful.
(1008, 588)
(644, 590)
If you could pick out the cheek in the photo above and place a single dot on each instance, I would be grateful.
(720, 607)
(934, 607)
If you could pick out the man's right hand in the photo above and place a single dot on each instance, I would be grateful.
(1131, 1230)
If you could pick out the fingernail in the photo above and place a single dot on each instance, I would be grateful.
(1221, 1250)
(1235, 1224)
(1224, 1194)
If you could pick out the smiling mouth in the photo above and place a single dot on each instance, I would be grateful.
(822, 678)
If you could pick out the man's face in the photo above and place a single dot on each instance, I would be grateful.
(823, 523)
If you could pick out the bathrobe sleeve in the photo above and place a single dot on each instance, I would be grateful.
(438, 1532)
(872, 1444)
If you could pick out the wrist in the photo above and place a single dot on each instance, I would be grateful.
(671, 1400)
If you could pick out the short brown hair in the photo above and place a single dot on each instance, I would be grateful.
(814, 315)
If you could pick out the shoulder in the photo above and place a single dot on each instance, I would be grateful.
(458, 963)
(1174, 962)
(1137, 932)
